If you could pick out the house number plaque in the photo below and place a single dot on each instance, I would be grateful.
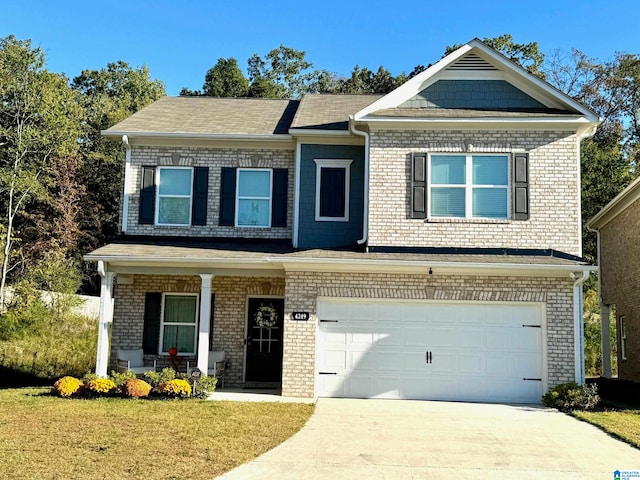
(300, 316)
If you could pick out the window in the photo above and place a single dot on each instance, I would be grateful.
(469, 186)
(179, 320)
(332, 190)
(175, 185)
(253, 200)
(623, 339)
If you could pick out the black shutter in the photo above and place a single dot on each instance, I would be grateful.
(147, 207)
(151, 330)
(227, 196)
(200, 193)
(419, 185)
(211, 321)
(279, 200)
(521, 186)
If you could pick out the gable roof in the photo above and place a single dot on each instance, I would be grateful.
(616, 206)
(477, 62)
(199, 116)
(329, 112)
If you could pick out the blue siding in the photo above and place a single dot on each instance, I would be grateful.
(312, 234)
(472, 94)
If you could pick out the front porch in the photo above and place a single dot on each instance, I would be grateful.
(197, 314)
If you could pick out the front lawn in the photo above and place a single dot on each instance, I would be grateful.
(54, 438)
(624, 424)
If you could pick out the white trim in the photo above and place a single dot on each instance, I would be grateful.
(239, 170)
(186, 135)
(204, 335)
(367, 160)
(301, 132)
(296, 194)
(468, 185)
(127, 181)
(195, 324)
(579, 278)
(333, 163)
(158, 195)
(105, 319)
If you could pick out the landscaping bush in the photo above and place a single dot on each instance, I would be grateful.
(100, 386)
(120, 378)
(571, 396)
(135, 388)
(156, 379)
(67, 386)
(176, 388)
(204, 386)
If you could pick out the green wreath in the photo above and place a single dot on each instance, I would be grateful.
(266, 316)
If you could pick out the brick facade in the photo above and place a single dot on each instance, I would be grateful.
(303, 290)
(554, 187)
(620, 281)
(215, 159)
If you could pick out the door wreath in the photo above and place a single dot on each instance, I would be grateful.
(266, 316)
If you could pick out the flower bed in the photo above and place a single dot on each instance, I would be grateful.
(159, 385)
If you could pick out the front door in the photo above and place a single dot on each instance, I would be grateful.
(264, 340)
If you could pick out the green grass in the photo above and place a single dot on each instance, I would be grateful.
(622, 424)
(54, 438)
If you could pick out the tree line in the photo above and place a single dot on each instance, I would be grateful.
(60, 180)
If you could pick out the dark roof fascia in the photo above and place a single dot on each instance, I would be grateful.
(526, 252)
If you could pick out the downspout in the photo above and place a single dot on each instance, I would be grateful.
(578, 323)
(365, 213)
(127, 177)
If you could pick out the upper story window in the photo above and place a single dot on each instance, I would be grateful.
(175, 185)
(253, 199)
(173, 196)
(468, 186)
(332, 190)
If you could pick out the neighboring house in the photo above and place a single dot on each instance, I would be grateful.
(423, 244)
(618, 229)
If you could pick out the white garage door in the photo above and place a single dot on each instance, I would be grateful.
(424, 350)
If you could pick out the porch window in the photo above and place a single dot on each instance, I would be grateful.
(179, 323)
(253, 201)
(469, 186)
(175, 185)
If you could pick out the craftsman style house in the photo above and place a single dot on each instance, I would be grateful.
(424, 244)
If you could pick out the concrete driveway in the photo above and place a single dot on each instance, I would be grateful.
(393, 439)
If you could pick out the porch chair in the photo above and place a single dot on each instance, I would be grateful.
(133, 360)
(217, 365)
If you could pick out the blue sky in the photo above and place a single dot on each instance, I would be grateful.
(180, 41)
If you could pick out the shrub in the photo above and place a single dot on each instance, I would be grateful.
(175, 388)
(120, 378)
(100, 386)
(135, 388)
(67, 386)
(567, 397)
(204, 386)
(156, 379)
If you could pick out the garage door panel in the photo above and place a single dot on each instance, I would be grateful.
(479, 352)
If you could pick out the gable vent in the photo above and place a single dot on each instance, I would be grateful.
(471, 61)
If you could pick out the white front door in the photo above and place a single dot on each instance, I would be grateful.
(426, 350)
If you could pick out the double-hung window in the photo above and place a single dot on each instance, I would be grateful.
(175, 185)
(468, 186)
(332, 190)
(179, 322)
(254, 190)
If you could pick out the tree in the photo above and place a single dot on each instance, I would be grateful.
(363, 81)
(225, 79)
(283, 72)
(39, 124)
(108, 96)
(527, 55)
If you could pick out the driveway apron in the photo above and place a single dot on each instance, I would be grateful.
(399, 439)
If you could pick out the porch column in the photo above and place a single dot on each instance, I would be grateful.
(203, 329)
(605, 340)
(106, 319)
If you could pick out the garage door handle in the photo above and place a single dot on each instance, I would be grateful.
(327, 373)
(428, 356)
(532, 379)
(328, 321)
